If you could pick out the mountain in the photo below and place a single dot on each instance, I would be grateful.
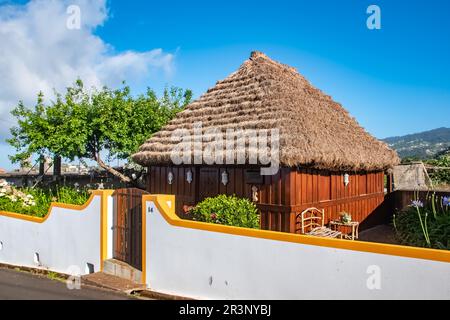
(423, 145)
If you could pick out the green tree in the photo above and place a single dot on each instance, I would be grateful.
(440, 171)
(82, 123)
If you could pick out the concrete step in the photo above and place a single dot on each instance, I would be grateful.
(107, 281)
(122, 270)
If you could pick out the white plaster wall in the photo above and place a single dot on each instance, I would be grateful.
(210, 265)
(67, 239)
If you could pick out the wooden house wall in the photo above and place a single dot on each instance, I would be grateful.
(304, 188)
(282, 196)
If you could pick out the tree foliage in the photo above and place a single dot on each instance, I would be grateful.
(84, 123)
(441, 174)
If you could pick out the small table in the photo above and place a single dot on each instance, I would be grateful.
(335, 224)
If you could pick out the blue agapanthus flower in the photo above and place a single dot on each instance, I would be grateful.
(417, 204)
(446, 201)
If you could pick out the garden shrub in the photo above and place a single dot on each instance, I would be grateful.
(227, 210)
(425, 225)
(36, 202)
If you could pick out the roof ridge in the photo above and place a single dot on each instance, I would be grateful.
(256, 56)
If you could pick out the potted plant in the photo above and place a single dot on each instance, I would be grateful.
(345, 217)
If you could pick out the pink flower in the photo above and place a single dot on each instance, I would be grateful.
(213, 216)
(187, 209)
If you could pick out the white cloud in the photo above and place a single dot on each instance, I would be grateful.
(39, 53)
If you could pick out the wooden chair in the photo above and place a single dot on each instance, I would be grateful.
(312, 223)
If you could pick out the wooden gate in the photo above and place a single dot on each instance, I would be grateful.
(127, 226)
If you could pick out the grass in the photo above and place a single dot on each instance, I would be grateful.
(55, 276)
(43, 199)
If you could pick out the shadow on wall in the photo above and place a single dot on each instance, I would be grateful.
(381, 215)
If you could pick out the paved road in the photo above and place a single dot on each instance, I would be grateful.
(25, 286)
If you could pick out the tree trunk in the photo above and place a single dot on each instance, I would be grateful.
(111, 170)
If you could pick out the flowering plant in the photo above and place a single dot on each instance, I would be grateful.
(12, 194)
(446, 201)
(37, 201)
(417, 204)
(425, 222)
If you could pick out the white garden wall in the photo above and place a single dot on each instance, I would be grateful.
(67, 240)
(198, 260)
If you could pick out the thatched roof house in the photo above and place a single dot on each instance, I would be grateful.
(327, 159)
(315, 131)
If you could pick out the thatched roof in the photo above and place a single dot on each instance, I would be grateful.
(315, 131)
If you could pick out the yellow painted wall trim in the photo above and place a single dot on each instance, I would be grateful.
(161, 202)
(13, 215)
(144, 240)
(104, 226)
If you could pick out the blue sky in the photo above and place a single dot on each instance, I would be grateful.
(394, 81)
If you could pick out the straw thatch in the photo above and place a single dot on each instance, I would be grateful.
(315, 131)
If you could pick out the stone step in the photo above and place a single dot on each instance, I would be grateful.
(122, 270)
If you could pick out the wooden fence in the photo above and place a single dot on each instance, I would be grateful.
(400, 199)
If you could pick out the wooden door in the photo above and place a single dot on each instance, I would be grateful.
(127, 226)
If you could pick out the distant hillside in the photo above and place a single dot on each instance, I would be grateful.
(421, 145)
